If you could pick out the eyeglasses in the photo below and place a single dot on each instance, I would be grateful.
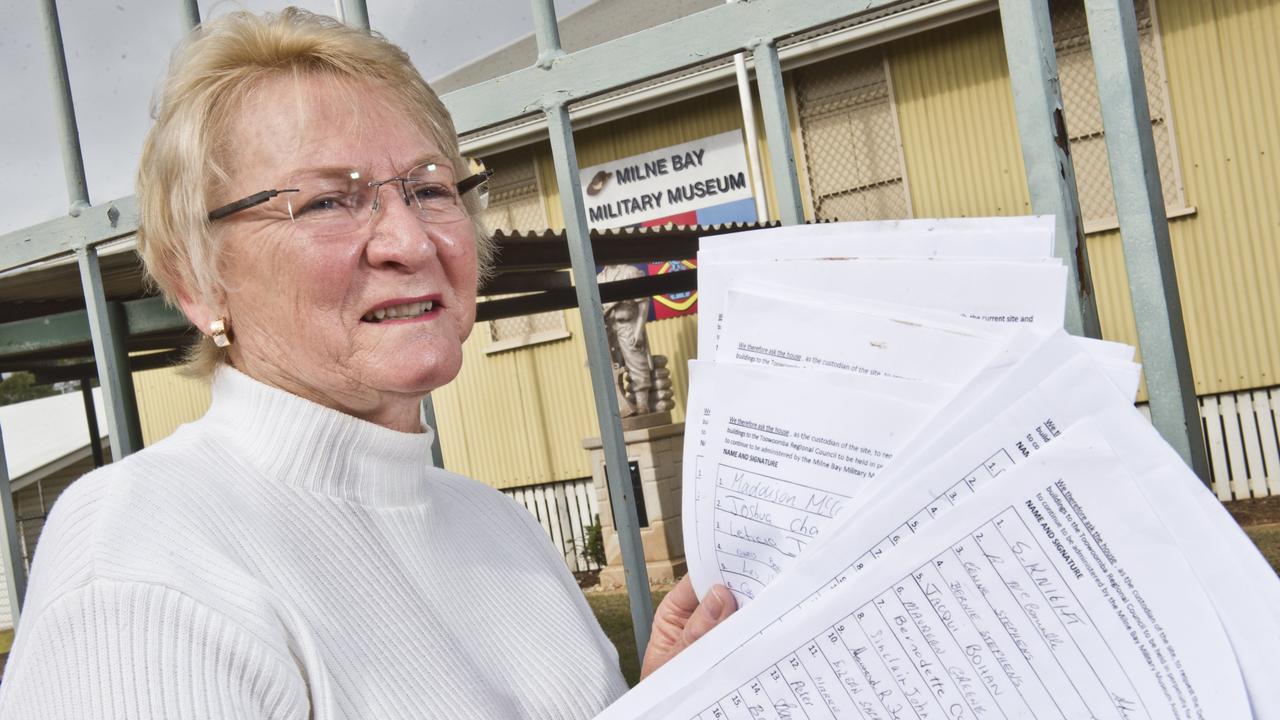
(336, 204)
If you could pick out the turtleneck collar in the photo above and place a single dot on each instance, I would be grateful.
(296, 441)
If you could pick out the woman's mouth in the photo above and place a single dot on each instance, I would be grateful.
(406, 311)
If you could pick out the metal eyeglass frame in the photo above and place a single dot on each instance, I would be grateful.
(463, 187)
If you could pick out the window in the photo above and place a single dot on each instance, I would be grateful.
(852, 144)
(515, 204)
(509, 333)
(1084, 113)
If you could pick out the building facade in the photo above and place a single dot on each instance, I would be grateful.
(910, 115)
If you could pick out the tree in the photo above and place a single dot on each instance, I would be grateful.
(21, 386)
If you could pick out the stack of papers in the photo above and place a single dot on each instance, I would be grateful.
(932, 502)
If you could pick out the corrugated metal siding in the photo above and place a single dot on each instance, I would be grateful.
(963, 159)
(1223, 58)
(959, 133)
(1111, 288)
(960, 139)
(166, 400)
(519, 417)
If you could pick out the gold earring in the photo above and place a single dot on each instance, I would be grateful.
(218, 331)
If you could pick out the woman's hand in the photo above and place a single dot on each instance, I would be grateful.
(681, 619)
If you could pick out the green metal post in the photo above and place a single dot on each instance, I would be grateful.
(547, 31)
(429, 419)
(1051, 177)
(108, 329)
(355, 13)
(618, 473)
(1144, 229)
(72, 158)
(191, 12)
(777, 129)
(15, 568)
(91, 414)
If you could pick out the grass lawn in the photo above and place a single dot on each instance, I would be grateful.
(1267, 538)
(6, 641)
(1260, 519)
(614, 614)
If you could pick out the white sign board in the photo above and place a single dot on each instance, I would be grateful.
(671, 181)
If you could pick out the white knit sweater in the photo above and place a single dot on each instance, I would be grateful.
(277, 559)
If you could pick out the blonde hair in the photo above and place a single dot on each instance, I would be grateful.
(211, 75)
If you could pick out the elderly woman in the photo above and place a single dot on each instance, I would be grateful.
(292, 554)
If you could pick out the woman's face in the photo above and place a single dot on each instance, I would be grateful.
(300, 305)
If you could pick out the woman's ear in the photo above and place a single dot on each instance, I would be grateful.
(198, 310)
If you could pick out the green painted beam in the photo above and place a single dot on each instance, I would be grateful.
(62, 236)
(69, 330)
(716, 32)
(153, 315)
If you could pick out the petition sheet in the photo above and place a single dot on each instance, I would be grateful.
(778, 458)
(1058, 594)
(800, 236)
(1242, 586)
(1033, 403)
(1021, 244)
(764, 329)
(1004, 293)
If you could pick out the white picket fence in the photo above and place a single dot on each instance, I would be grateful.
(564, 510)
(1244, 448)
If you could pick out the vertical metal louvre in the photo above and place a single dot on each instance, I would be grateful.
(515, 201)
(852, 146)
(1084, 111)
(515, 204)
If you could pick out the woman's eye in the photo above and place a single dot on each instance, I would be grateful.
(325, 203)
(433, 193)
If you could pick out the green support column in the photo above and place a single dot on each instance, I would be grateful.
(191, 13)
(1144, 229)
(15, 568)
(355, 13)
(777, 129)
(1051, 177)
(600, 364)
(108, 329)
(429, 419)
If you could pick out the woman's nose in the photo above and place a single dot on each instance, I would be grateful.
(399, 237)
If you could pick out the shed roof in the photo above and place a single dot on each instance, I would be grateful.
(40, 432)
(43, 324)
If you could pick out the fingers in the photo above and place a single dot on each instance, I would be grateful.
(681, 619)
(717, 605)
(682, 601)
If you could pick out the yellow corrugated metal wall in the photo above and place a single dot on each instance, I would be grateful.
(963, 158)
(959, 134)
(167, 399)
(1223, 60)
(960, 142)
(519, 417)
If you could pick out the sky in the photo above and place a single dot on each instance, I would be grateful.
(116, 55)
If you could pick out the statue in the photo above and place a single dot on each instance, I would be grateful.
(641, 379)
